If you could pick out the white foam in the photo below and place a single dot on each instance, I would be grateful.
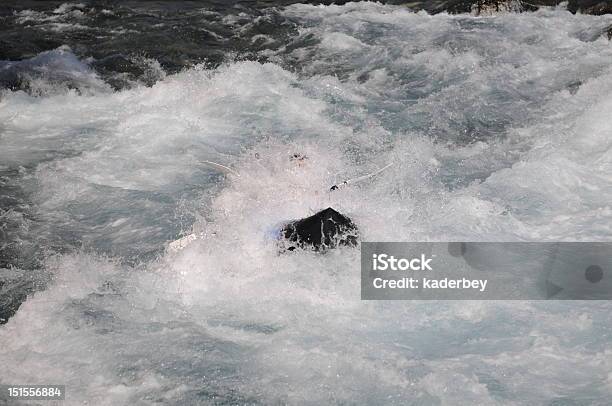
(229, 319)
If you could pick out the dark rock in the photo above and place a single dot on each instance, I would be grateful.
(324, 230)
(494, 6)
(596, 7)
(472, 6)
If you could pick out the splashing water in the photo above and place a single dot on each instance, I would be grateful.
(498, 128)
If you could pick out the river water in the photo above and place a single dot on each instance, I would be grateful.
(498, 129)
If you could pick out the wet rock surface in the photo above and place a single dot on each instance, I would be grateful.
(590, 7)
(596, 7)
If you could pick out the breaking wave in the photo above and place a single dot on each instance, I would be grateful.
(497, 128)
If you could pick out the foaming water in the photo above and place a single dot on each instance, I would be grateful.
(51, 72)
(497, 129)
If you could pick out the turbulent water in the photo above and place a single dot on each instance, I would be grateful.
(498, 129)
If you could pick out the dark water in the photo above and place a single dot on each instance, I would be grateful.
(497, 128)
(176, 34)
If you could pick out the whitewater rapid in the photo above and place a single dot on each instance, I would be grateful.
(498, 129)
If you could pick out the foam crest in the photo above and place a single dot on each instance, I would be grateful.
(499, 139)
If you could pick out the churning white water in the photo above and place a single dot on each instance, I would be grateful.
(498, 129)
